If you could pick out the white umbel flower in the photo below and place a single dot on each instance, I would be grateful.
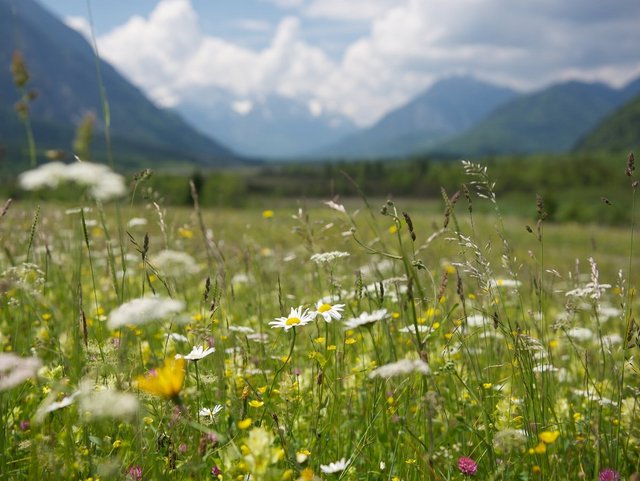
(47, 175)
(399, 368)
(326, 257)
(580, 333)
(143, 310)
(296, 318)
(97, 402)
(101, 182)
(15, 370)
(174, 263)
(335, 206)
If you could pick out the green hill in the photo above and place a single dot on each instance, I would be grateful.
(548, 121)
(619, 131)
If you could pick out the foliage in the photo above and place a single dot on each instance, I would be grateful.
(459, 345)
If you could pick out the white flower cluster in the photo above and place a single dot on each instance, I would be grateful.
(399, 368)
(366, 319)
(15, 370)
(174, 263)
(101, 182)
(326, 257)
(142, 310)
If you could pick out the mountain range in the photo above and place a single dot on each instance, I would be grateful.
(456, 117)
(264, 126)
(448, 108)
(465, 117)
(552, 120)
(62, 71)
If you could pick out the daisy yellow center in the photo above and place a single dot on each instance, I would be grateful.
(292, 321)
(324, 308)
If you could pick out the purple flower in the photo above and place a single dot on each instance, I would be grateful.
(215, 471)
(467, 466)
(134, 473)
(609, 474)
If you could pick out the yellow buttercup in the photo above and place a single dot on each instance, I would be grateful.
(166, 381)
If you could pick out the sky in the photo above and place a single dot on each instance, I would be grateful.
(360, 58)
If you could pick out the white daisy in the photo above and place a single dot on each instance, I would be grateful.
(211, 412)
(297, 317)
(365, 319)
(329, 311)
(336, 467)
(197, 353)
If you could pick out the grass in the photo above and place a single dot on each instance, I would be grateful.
(505, 354)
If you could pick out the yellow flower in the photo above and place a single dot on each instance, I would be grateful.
(245, 423)
(166, 381)
(306, 475)
(549, 437)
(393, 229)
(256, 404)
(540, 448)
(185, 233)
(267, 214)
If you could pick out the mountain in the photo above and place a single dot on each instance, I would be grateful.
(448, 108)
(62, 70)
(619, 131)
(550, 120)
(264, 125)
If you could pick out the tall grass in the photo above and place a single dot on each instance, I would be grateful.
(476, 348)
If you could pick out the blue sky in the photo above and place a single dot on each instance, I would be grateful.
(360, 58)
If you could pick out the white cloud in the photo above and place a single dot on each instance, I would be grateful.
(252, 25)
(286, 3)
(409, 44)
(80, 25)
(242, 107)
(169, 56)
(349, 10)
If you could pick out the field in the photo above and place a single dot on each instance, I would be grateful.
(381, 340)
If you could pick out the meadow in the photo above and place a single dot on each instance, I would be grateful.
(345, 339)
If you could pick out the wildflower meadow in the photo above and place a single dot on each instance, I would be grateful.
(352, 339)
